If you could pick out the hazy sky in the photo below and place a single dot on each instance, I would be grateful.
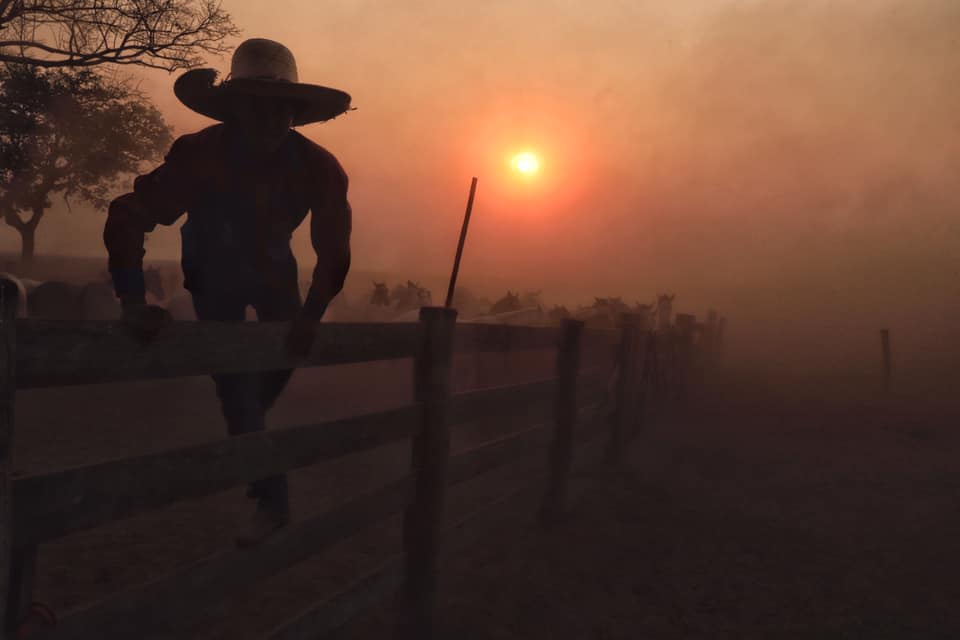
(803, 150)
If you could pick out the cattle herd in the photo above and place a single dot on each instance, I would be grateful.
(65, 300)
(402, 302)
(95, 300)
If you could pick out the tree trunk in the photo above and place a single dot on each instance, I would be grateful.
(28, 236)
(28, 233)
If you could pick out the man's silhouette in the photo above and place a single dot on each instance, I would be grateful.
(245, 185)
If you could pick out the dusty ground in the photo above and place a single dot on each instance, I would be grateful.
(804, 513)
(803, 508)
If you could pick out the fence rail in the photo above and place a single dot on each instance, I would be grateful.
(40, 508)
(52, 505)
(149, 605)
(53, 353)
(61, 353)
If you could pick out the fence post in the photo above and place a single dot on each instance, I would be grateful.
(885, 346)
(423, 518)
(685, 326)
(565, 417)
(651, 374)
(721, 330)
(626, 388)
(644, 369)
(8, 387)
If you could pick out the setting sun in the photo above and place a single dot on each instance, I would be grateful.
(526, 163)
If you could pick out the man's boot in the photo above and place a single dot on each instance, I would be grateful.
(265, 522)
(273, 511)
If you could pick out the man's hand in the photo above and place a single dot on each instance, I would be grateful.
(300, 337)
(144, 321)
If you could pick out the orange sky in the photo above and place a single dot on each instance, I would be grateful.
(443, 94)
(721, 149)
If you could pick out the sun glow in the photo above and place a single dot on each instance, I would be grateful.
(526, 163)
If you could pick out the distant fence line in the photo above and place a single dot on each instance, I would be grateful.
(39, 508)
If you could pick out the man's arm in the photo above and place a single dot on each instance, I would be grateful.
(158, 197)
(331, 221)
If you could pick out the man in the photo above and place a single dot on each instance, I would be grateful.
(245, 184)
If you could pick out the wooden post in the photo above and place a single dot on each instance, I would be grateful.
(651, 382)
(23, 569)
(645, 364)
(8, 387)
(721, 329)
(565, 417)
(685, 325)
(885, 347)
(626, 388)
(423, 518)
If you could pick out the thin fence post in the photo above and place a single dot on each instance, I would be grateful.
(8, 386)
(721, 330)
(644, 367)
(651, 379)
(885, 347)
(626, 388)
(423, 519)
(22, 573)
(685, 326)
(565, 416)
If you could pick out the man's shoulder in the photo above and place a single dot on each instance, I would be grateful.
(191, 144)
(316, 157)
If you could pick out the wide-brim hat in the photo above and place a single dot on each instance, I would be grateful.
(259, 67)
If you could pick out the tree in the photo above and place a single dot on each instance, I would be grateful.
(162, 34)
(69, 132)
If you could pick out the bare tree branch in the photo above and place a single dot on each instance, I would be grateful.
(161, 34)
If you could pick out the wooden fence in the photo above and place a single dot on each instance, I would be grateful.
(39, 508)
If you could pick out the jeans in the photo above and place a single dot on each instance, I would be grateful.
(245, 398)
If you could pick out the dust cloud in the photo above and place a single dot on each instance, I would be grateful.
(790, 163)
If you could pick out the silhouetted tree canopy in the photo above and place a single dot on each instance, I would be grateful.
(69, 132)
(163, 34)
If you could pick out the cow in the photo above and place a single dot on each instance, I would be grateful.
(59, 300)
(21, 293)
(381, 295)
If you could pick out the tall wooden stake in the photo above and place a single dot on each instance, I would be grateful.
(463, 237)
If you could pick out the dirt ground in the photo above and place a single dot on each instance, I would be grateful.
(790, 508)
(807, 512)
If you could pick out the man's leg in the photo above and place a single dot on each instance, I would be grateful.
(274, 306)
(238, 400)
(239, 393)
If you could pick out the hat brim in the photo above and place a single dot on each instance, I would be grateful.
(196, 90)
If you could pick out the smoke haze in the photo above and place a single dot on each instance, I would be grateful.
(790, 163)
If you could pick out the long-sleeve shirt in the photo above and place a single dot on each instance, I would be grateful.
(241, 212)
